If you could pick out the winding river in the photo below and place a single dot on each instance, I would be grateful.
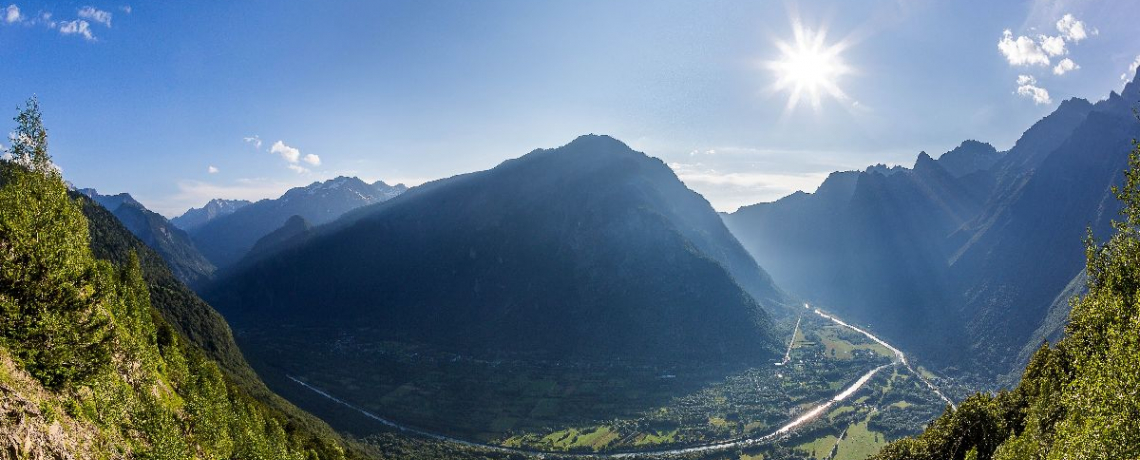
(783, 431)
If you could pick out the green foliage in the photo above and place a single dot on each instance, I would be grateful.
(53, 307)
(88, 332)
(1079, 399)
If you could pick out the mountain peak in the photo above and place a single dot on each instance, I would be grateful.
(968, 157)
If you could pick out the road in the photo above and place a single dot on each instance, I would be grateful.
(791, 343)
(782, 432)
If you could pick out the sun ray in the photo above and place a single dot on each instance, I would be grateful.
(809, 68)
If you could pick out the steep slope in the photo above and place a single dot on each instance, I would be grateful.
(89, 368)
(173, 244)
(1077, 398)
(872, 244)
(966, 266)
(296, 231)
(226, 239)
(1022, 254)
(590, 250)
(194, 218)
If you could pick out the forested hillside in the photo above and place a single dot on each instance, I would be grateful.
(89, 366)
(1077, 399)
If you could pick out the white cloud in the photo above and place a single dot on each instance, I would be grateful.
(1053, 46)
(126, 9)
(1027, 87)
(212, 169)
(97, 15)
(297, 168)
(12, 14)
(312, 159)
(77, 27)
(1131, 70)
(1066, 65)
(254, 139)
(289, 154)
(1071, 28)
(1022, 50)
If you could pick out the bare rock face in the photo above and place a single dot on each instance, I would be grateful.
(34, 427)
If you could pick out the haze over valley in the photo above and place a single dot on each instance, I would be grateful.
(503, 230)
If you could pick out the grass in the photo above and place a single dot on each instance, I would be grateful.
(838, 348)
(901, 404)
(654, 438)
(820, 447)
(859, 443)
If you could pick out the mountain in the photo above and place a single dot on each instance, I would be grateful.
(194, 218)
(869, 238)
(1076, 398)
(969, 157)
(1020, 254)
(173, 244)
(586, 251)
(966, 260)
(226, 239)
(295, 231)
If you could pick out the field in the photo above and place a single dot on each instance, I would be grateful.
(562, 405)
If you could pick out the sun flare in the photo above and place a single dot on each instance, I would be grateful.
(809, 67)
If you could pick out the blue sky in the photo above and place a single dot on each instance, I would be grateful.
(149, 98)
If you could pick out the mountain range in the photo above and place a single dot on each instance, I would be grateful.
(194, 218)
(172, 243)
(967, 260)
(234, 230)
(590, 251)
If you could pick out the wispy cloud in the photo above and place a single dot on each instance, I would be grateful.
(82, 26)
(1027, 87)
(96, 15)
(212, 169)
(289, 154)
(1065, 66)
(77, 27)
(255, 140)
(1131, 70)
(1022, 50)
(1072, 29)
(293, 157)
(12, 14)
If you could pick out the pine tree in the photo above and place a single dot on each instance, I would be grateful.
(52, 314)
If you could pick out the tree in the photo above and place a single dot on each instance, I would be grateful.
(30, 140)
(52, 310)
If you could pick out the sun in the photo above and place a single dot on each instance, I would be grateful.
(809, 67)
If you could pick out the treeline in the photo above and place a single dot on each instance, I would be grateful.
(101, 358)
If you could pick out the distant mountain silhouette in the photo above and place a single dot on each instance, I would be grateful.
(227, 238)
(590, 250)
(170, 242)
(964, 259)
(194, 218)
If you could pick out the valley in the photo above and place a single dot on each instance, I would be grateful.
(838, 379)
